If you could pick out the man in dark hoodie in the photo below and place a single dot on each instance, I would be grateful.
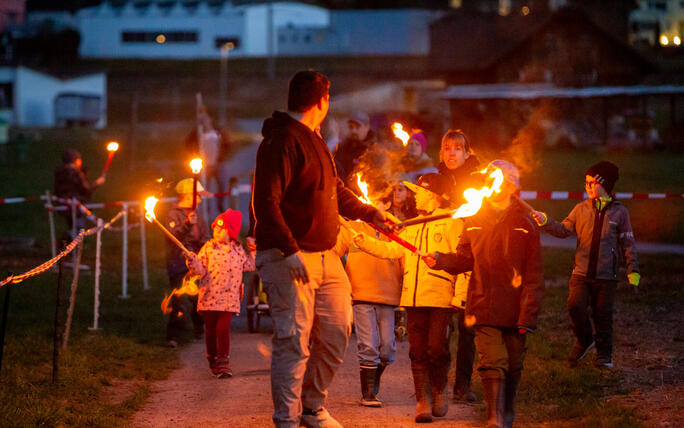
(296, 201)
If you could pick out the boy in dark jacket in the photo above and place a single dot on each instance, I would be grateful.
(501, 246)
(603, 232)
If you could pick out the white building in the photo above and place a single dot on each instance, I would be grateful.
(35, 99)
(658, 21)
(188, 29)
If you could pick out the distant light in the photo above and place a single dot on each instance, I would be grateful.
(160, 39)
(664, 40)
(228, 46)
(525, 10)
(677, 41)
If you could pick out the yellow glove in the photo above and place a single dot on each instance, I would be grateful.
(633, 278)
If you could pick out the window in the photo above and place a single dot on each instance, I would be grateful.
(159, 36)
(220, 41)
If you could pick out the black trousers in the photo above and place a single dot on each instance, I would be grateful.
(182, 308)
(600, 296)
(465, 353)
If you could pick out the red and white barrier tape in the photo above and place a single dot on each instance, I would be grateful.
(560, 195)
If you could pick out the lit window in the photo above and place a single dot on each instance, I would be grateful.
(160, 39)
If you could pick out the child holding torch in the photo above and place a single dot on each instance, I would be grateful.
(192, 231)
(220, 264)
(429, 295)
(501, 246)
(604, 232)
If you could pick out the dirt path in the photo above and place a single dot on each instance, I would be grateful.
(192, 397)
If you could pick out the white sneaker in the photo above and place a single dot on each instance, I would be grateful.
(319, 419)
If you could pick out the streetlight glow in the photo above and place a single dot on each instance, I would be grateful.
(664, 40)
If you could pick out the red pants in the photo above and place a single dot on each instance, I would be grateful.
(217, 333)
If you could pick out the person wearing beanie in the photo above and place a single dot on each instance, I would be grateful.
(428, 295)
(219, 265)
(71, 181)
(604, 233)
(415, 161)
(501, 246)
(191, 229)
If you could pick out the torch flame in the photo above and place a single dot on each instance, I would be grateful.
(475, 197)
(196, 165)
(112, 146)
(363, 186)
(399, 132)
(149, 208)
(189, 287)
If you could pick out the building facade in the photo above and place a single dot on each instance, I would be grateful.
(657, 22)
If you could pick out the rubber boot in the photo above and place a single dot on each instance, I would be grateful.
(378, 374)
(494, 393)
(423, 406)
(509, 402)
(438, 382)
(368, 398)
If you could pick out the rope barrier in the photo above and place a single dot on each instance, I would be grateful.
(15, 279)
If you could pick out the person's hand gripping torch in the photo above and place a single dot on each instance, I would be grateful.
(149, 215)
(196, 167)
(112, 147)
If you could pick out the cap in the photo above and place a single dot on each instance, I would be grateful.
(230, 220)
(359, 117)
(509, 170)
(606, 173)
(185, 186)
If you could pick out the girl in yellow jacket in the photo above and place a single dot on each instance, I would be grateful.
(428, 295)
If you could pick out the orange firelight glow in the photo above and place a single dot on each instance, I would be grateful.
(399, 132)
(196, 165)
(112, 146)
(189, 288)
(475, 196)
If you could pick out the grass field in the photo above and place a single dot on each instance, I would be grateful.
(105, 375)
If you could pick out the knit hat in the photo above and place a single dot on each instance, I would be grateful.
(606, 173)
(509, 170)
(420, 137)
(230, 220)
(70, 155)
(185, 186)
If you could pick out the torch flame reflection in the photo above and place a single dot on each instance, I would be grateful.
(399, 132)
(475, 197)
(189, 287)
(149, 208)
(112, 146)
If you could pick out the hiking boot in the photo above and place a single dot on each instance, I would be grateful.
(222, 368)
(604, 361)
(578, 352)
(212, 365)
(368, 376)
(423, 403)
(318, 419)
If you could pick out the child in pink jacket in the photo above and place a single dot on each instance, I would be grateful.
(219, 264)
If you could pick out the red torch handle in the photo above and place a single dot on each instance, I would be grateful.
(194, 192)
(110, 156)
(412, 248)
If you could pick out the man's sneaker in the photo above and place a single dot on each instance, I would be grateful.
(578, 352)
(603, 361)
(318, 419)
(172, 343)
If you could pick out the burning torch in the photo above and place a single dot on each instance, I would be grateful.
(112, 147)
(149, 215)
(196, 167)
(399, 132)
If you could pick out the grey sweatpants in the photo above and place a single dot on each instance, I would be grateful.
(312, 324)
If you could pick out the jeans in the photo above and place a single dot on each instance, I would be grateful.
(374, 326)
(312, 324)
(600, 295)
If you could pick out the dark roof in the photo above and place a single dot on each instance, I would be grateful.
(469, 40)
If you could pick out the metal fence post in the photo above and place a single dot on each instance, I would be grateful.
(98, 267)
(51, 219)
(124, 261)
